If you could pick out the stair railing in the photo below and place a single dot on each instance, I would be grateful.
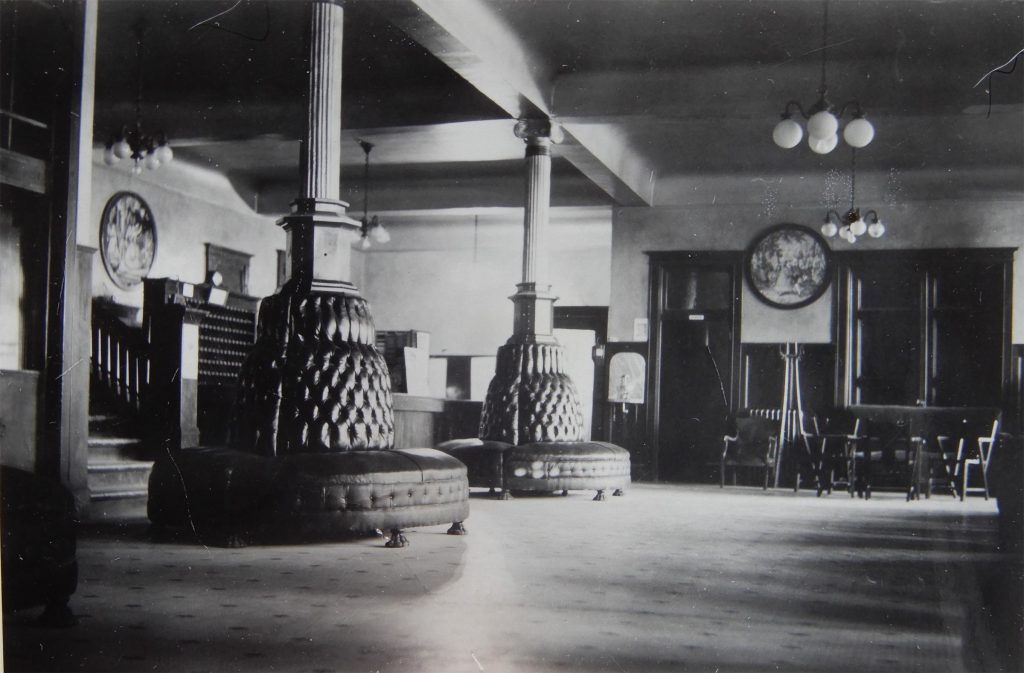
(120, 359)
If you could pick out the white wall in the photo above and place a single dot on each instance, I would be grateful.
(450, 273)
(728, 213)
(191, 206)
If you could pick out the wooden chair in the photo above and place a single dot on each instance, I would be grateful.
(755, 444)
(833, 440)
(977, 453)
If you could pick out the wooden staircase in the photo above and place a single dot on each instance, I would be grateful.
(118, 474)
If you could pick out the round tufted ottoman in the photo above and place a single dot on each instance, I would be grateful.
(565, 466)
(234, 497)
(543, 466)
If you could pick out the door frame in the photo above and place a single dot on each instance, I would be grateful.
(593, 318)
(660, 263)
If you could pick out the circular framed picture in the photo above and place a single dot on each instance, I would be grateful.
(127, 239)
(789, 266)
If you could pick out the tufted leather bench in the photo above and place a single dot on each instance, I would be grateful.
(235, 498)
(543, 467)
(312, 456)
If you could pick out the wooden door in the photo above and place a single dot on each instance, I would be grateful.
(695, 355)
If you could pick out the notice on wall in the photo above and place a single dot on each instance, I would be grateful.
(640, 331)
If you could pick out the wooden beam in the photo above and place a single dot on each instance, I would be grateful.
(475, 42)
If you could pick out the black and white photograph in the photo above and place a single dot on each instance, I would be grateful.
(512, 336)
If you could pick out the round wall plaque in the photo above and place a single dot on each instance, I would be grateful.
(788, 266)
(127, 239)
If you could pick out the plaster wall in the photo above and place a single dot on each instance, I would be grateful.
(191, 206)
(727, 213)
(451, 273)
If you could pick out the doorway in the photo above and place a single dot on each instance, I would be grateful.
(695, 299)
(582, 331)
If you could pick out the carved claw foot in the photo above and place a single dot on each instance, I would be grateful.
(457, 529)
(492, 492)
(396, 539)
(57, 615)
(505, 495)
(599, 496)
(565, 492)
(618, 492)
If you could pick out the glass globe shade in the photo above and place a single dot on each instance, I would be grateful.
(822, 124)
(122, 150)
(379, 234)
(829, 229)
(364, 243)
(844, 233)
(858, 228)
(164, 153)
(876, 230)
(109, 158)
(136, 167)
(858, 132)
(151, 161)
(787, 134)
(823, 145)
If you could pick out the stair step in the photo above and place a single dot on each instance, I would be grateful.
(110, 424)
(125, 475)
(110, 449)
(117, 505)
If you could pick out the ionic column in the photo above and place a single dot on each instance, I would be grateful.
(531, 398)
(533, 300)
(319, 232)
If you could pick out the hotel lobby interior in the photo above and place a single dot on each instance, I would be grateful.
(512, 335)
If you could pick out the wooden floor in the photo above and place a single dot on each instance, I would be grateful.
(667, 578)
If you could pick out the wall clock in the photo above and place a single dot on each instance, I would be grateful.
(788, 266)
(127, 239)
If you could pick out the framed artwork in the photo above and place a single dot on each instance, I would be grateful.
(127, 239)
(788, 266)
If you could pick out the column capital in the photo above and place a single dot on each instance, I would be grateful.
(539, 132)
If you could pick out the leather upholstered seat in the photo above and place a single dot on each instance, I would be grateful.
(554, 466)
(237, 497)
(313, 439)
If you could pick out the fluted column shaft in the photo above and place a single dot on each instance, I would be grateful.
(320, 234)
(533, 300)
(538, 200)
(321, 165)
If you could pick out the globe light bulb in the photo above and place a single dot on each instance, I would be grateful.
(844, 233)
(787, 134)
(823, 145)
(822, 124)
(151, 162)
(109, 158)
(164, 153)
(364, 243)
(858, 227)
(122, 150)
(876, 229)
(829, 229)
(858, 132)
(379, 234)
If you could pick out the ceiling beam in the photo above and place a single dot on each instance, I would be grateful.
(474, 42)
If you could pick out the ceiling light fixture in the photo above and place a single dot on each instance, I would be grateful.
(149, 150)
(371, 228)
(822, 120)
(851, 224)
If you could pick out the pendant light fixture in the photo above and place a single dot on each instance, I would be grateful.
(148, 150)
(822, 117)
(372, 229)
(851, 224)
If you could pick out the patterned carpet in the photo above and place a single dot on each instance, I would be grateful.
(667, 578)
